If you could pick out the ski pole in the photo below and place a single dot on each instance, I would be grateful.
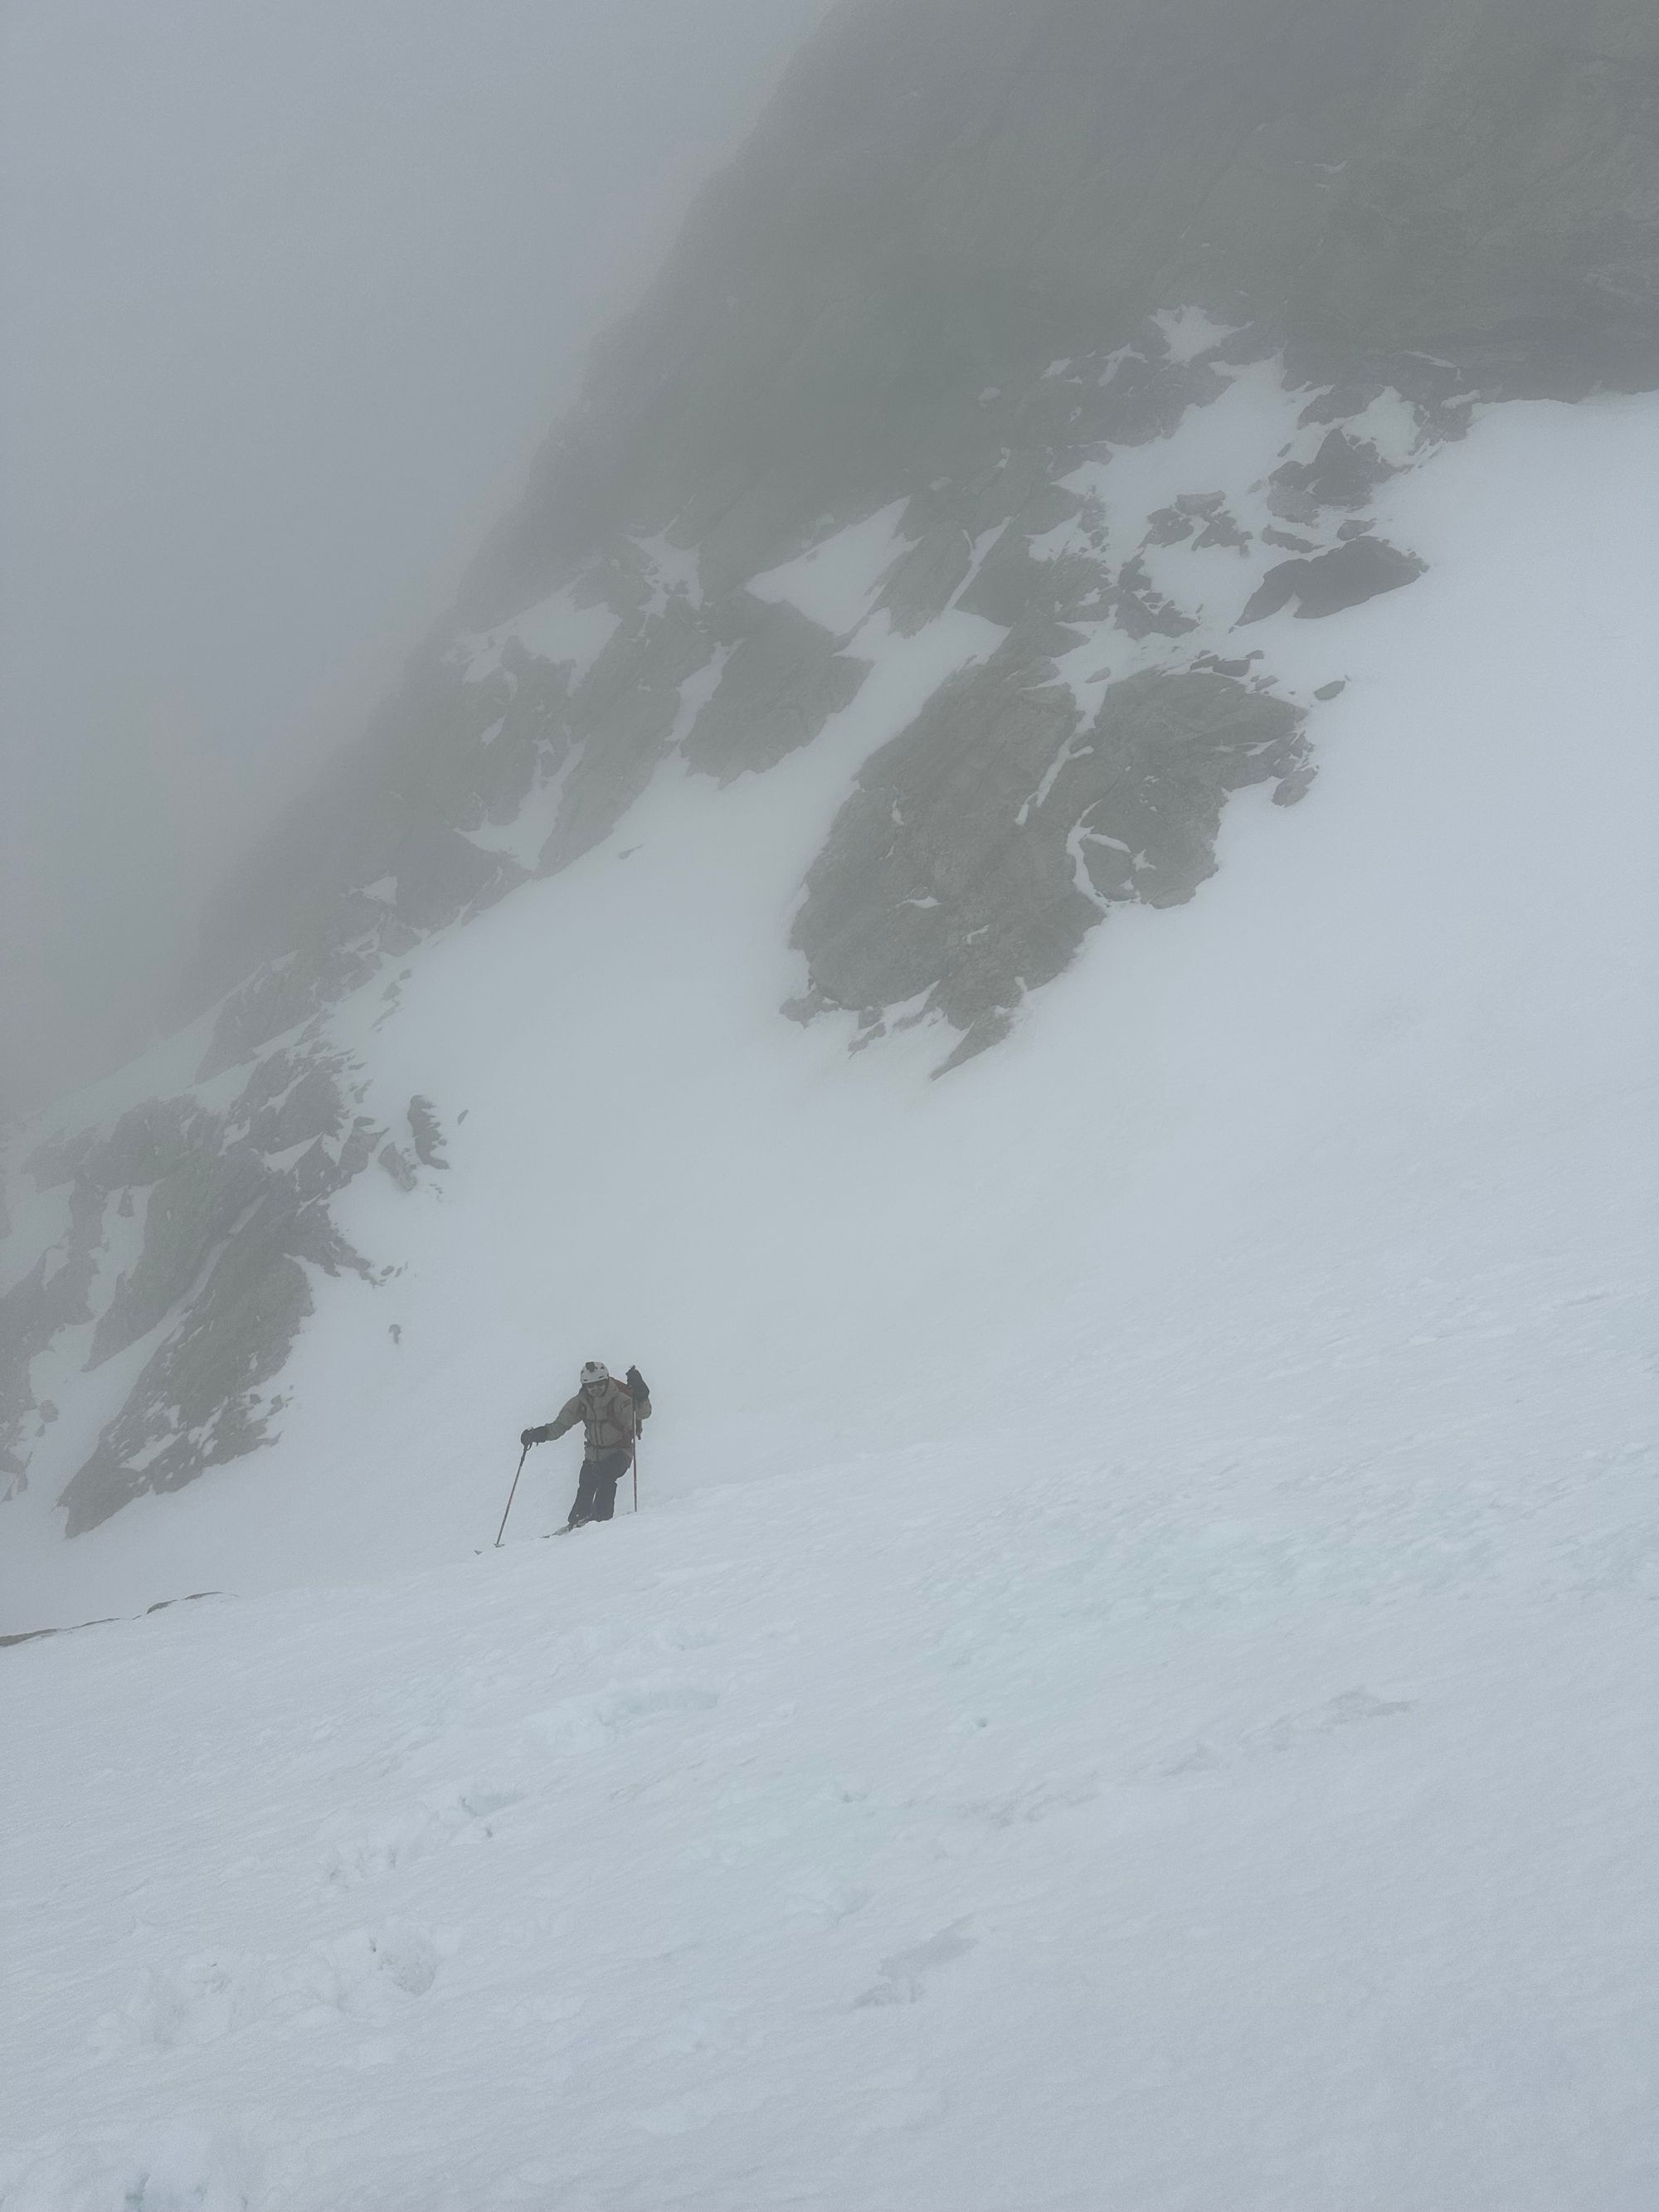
(511, 1494)
(637, 1474)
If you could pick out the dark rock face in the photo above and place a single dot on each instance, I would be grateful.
(48, 1298)
(426, 1132)
(778, 689)
(1344, 472)
(234, 1205)
(196, 1404)
(1352, 572)
(982, 845)
(192, 1213)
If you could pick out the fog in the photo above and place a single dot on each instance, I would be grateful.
(292, 288)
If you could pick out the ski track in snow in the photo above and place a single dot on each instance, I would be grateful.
(1133, 1683)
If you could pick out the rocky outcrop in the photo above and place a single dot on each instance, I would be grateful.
(982, 845)
(781, 682)
(53, 1296)
(192, 1229)
(197, 1402)
(1349, 574)
(1450, 197)
(192, 1213)
(426, 1132)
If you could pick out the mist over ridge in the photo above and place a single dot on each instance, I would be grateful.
(947, 195)
(293, 293)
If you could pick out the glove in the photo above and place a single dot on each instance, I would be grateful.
(636, 1386)
(533, 1436)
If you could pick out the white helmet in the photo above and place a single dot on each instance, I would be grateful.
(594, 1371)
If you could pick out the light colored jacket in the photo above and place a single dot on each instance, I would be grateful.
(611, 1421)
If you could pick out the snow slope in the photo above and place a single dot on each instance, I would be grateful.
(1132, 1686)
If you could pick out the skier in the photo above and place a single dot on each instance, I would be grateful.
(611, 1414)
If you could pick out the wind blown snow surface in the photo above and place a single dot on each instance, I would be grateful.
(1132, 1684)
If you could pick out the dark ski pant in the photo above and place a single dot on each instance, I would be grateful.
(596, 1493)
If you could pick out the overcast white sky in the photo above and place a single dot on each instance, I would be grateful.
(292, 288)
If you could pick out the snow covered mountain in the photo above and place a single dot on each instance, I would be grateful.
(1027, 874)
(1008, 432)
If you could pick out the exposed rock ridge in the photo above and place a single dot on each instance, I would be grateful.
(948, 196)
(191, 1230)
